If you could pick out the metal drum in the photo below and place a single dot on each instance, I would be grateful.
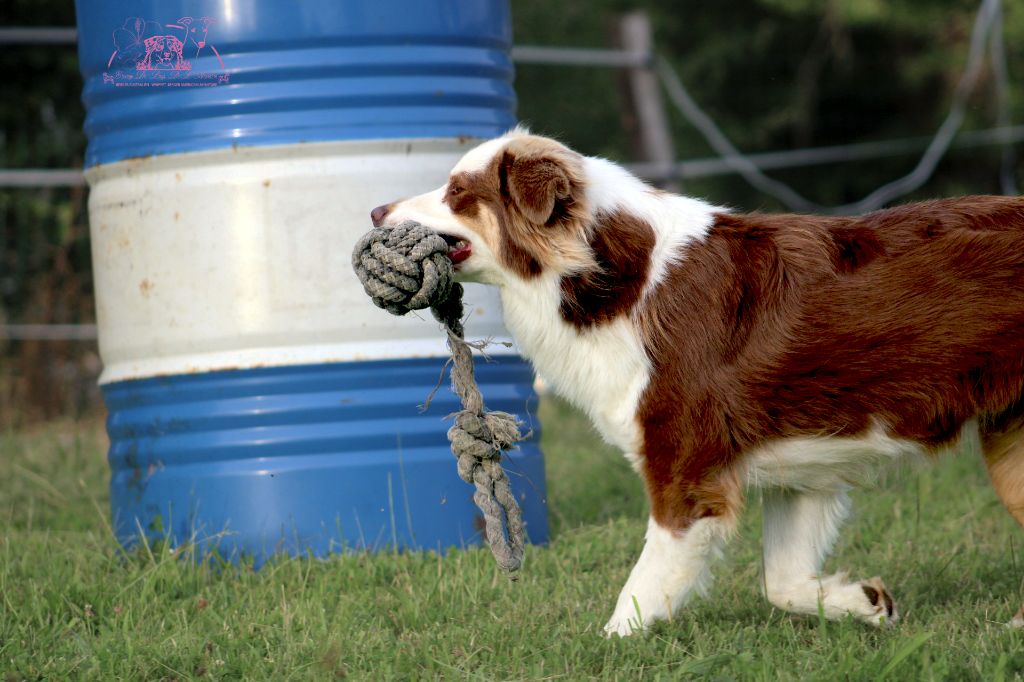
(258, 402)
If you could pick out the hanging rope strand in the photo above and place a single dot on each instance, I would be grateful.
(407, 268)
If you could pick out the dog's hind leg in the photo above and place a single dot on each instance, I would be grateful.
(799, 531)
(1003, 445)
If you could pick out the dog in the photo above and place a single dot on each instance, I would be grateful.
(722, 351)
(163, 53)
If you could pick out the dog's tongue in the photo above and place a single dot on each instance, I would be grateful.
(460, 253)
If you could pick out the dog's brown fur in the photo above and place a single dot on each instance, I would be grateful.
(779, 326)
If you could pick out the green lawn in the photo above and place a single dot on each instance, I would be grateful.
(72, 606)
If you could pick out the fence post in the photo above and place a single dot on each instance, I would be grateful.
(651, 125)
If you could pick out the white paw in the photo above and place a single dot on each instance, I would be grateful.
(629, 618)
(623, 627)
(881, 608)
(868, 600)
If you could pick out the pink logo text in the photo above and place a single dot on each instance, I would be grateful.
(149, 54)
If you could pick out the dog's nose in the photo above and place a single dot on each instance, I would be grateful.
(378, 214)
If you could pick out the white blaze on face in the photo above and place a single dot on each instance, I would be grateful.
(428, 208)
(480, 157)
(431, 209)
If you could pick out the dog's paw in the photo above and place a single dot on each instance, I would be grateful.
(620, 626)
(881, 606)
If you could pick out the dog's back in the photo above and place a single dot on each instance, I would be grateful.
(913, 316)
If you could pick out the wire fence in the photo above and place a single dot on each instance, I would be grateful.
(987, 23)
(49, 332)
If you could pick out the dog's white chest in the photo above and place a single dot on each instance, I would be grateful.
(602, 370)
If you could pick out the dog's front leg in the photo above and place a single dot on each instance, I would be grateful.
(673, 565)
(695, 498)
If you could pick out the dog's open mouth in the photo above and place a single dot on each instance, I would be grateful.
(458, 248)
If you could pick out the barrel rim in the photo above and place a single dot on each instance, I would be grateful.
(243, 153)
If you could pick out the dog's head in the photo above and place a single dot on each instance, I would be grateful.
(513, 207)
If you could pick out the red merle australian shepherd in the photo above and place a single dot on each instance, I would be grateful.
(719, 350)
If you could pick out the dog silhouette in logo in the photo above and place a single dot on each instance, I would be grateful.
(163, 53)
(196, 37)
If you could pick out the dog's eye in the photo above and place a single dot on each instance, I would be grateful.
(454, 190)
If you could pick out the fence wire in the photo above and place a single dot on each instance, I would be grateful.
(986, 20)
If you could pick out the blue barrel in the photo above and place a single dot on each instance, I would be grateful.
(282, 73)
(257, 401)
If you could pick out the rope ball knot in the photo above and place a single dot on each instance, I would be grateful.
(404, 268)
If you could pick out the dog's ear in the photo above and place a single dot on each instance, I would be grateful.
(536, 181)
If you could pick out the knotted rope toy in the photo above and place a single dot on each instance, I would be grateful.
(407, 268)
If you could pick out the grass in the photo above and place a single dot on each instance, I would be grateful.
(73, 606)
